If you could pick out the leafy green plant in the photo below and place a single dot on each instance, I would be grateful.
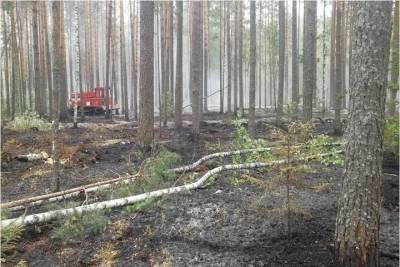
(28, 120)
(10, 236)
(242, 140)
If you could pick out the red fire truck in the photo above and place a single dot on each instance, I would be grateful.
(93, 102)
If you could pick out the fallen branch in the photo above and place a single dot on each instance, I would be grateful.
(47, 216)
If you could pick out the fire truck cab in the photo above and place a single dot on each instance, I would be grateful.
(92, 102)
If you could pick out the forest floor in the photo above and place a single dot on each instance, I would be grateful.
(222, 224)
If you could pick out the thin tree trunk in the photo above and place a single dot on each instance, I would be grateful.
(394, 65)
(146, 115)
(124, 81)
(282, 45)
(241, 97)
(338, 69)
(253, 62)
(228, 56)
(221, 56)
(205, 78)
(58, 53)
(179, 74)
(108, 56)
(134, 68)
(332, 66)
(196, 66)
(309, 54)
(295, 61)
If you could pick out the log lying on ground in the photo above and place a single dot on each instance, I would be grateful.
(217, 155)
(61, 195)
(47, 216)
(226, 154)
(52, 197)
(50, 215)
(32, 157)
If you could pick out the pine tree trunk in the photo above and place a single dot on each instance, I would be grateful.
(134, 67)
(35, 20)
(394, 65)
(221, 56)
(241, 97)
(58, 53)
(124, 81)
(48, 59)
(235, 59)
(146, 114)
(337, 124)
(228, 56)
(282, 45)
(357, 224)
(15, 61)
(63, 93)
(6, 65)
(108, 57)
(295, 61)
(196, 66)
(309, 55)
(179, 74)
(253, 62)
(205, 78)
(332, 67)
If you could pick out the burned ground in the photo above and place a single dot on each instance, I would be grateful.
(222, 224)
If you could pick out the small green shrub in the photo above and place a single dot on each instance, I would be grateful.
(27, 121)
(321, 144)
(5, 214)
(10, 236)
(242, 140)
(141, 206)
(92, 223)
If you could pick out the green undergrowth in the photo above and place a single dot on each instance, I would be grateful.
(391, 136)
(77, 225)
(10, 237)
(28, 120)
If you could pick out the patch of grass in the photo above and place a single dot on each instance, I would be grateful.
(5, 214)
(10, 237)
(92, 223)
(141, 206)
(108, 254)
(120, 229)
(322, 187)
(27, 121)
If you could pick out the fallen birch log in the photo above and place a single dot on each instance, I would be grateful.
(62, 195)
(217, 155)
(32, 157)
(50, 215)
(52, 197)
(225, 154)
(47, 216)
